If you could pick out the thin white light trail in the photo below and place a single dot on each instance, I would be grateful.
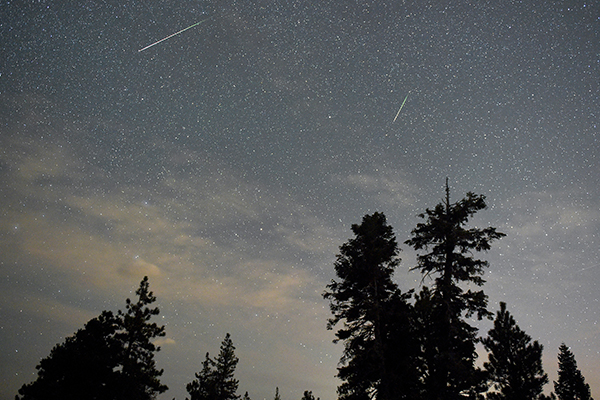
(398, 113)
(175, 34)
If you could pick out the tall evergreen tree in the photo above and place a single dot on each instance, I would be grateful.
(450, 342)
(141, 378)
(571, 383)
(215, 381)
(203, 387)
(515, 363)
(112, 357)
(362, 299)
(402, 349)
(225, 365)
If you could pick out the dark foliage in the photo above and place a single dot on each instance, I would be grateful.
(515, 363)
(571, 383)
(81, 367)
(140, 376)
(448, 339)
(215, 381)
(112, 357)
(374, 314)
(309, 396)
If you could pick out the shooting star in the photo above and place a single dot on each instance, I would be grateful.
(398, 113)
(175, 34)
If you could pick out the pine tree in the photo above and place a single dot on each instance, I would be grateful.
(140, 375)
(362, 299)
(203, 387)
(515, 363)
(571, 383)
(449, 343)
(225, 365)
(112, 357)
(85, 363)
(215, 381)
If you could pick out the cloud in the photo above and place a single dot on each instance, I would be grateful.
(551, 231)
(139, 268)
(164, 341)
(388, 187)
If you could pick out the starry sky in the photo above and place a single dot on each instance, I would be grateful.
(228, 163)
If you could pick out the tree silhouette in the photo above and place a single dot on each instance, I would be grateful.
(367, 300)
(515, 363)
(571, 383)
(449, 345)
(308, 396)
(112, 357)
(215, 381)
(226, 363)
(140, 377)
(203, 387)
(84, 364)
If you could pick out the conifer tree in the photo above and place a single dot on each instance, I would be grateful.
(571, 383)
(225, 365)
(139, 372)
(363, 299)
(449, 342)
(203, 387)
(112, 357)
(403, 350)
(515, 363)
(84, 363)
(215, 381)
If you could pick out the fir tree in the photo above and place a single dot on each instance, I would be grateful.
(216, 379)
(225, 365)
(515, 363)
(203, 387)
(449, 342)
(139, 372)
(363, 299)
(112, 357)
(571, 383)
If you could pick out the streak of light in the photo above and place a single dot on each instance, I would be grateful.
(398, 113)
(175, 34)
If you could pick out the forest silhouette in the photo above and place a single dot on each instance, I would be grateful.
(417, 345)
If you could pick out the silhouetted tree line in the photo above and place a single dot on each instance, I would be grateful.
(422, 345)
(413, 345)
(112, 358)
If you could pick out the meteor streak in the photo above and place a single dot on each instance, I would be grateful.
(398, 113)
(175, 34)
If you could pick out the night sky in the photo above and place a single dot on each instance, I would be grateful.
(228, 163)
